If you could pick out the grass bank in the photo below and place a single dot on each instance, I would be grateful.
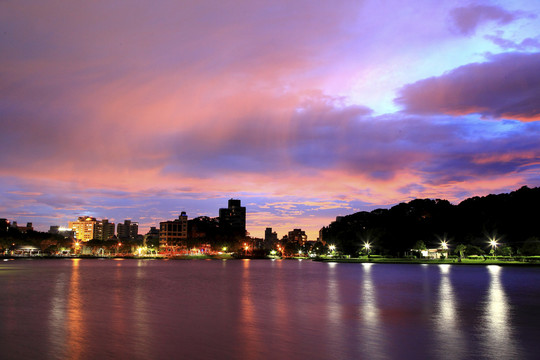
(480, 261)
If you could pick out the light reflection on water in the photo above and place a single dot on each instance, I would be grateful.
(497, 327)
(250, 309)
(371, 336)
(449, 333)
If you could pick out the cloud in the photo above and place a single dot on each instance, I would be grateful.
(507, 86)
(467, 19)
(506, 44)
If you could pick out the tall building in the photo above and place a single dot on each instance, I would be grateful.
(104, 230)
(233, 217)
(270, 237)
(173, 232)
(83, 228)
(298, 236)
(4, 224)
(128, 230)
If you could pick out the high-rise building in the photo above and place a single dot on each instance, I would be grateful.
(128, 230)
(173, 232)
(83, 228)
(270, 237)
(104, 230)
(4, 224)
(233, 217)
(298, 236)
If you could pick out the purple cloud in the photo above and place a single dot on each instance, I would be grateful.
(524, 45)
(466, 19)
(507, 86)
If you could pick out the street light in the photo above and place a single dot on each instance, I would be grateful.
(444, 246)
(493, 243)
(367, 246)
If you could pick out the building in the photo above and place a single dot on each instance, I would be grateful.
(151, 235)
(65, 232)
(23, 229)
(173, 232)
(128, 230)
(4, 224)
(104, 230)
(233, 217)
(297, 236)
(84, 228)
(270, 238)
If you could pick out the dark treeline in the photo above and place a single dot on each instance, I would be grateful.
(512, 219)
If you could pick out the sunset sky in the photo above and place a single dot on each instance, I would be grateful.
(304, 110)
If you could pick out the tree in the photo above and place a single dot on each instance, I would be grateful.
(419, 246)
(460, 249)
(531, 247)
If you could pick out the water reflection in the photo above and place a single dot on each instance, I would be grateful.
(250, 329)
(57, 315)
(371, 335)
(140, 306)
(334, 311)
(266, 310)
(449, 336)
(498, 337)
(75, 319)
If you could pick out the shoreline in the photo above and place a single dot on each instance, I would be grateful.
(326, 260)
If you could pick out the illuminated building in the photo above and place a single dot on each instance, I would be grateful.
(103, 230)
(173, 232)
(298, 236)
(84, 228)
(128, 230)
(65, 232)
(233, 217)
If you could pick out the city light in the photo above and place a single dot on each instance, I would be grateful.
(444, 245)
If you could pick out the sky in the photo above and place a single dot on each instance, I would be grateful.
(304, 110)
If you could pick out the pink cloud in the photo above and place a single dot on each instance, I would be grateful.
(507, 86)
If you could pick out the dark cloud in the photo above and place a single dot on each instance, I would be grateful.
(466, 19)
(507, 86)
(524, 45)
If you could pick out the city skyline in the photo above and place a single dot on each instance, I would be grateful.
(303, 111)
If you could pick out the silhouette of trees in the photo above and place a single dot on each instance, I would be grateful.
(513, 216)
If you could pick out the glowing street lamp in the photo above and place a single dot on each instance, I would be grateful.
(332, 248)
(367, 246)
(493, 243)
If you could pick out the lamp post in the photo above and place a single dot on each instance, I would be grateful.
(332, 248)
(444, 246)
(493, 243)
(367, 246)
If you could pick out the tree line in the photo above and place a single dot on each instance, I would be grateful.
(513, 220)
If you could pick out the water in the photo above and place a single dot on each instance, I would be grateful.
(262, 309)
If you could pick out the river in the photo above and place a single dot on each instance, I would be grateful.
(264, 309)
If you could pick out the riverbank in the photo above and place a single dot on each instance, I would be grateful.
(372, 260)
(479, 261)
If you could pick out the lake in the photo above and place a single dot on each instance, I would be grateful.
(265, 309)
